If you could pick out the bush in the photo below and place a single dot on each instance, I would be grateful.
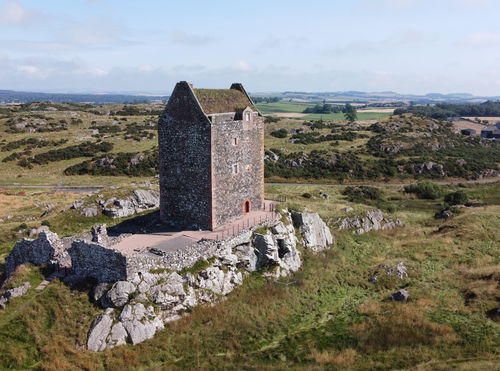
(46, 223)
(307, 195)
(363, 193)
(425, 190)
(280, 133)
(456, 198)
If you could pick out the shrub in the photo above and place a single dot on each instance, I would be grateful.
(456, 198)
(424, 190)
(307, 195)
(280, 133)
(363, 193)
(46, 223)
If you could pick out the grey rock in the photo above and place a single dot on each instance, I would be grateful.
(117, 336)
(400, 295)
(34, 232)
(267, 250)
(247, 257)
(373, 220)
(99, 292)
(77, 204)
(99, 331)
(315, 233)
(347, 209)
(89, 212)
(17, 291)
(119, 293)
(141, 200)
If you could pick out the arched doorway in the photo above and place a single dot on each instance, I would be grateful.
(246, 206)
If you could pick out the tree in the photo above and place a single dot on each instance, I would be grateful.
(350, 113)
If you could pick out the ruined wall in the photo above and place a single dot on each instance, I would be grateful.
(184, 146)
(230, 190)
(96, 261)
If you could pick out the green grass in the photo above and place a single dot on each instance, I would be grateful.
(340, 116)
(327, 316)
(282, 107)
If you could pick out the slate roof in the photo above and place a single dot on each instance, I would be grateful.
(222, 100)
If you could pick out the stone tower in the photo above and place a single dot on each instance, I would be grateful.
(211, 144)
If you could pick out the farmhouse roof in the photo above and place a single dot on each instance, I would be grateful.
(234, 99)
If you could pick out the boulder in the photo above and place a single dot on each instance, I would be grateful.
(34, 232)
(139, 322)
(141, 200)
(99, 293)
(315, 233)
(89, 212)
(247, 257)
(119, 293)
(117, 336)
(400, 295)
(17, 291)
(373, 220)
(99, 331)
(267, 250)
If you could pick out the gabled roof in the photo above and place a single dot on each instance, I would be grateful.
(223, 100)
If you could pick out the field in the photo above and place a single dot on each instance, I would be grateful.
(327, 316)
(294, 109)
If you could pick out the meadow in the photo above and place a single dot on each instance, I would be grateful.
(327, 316)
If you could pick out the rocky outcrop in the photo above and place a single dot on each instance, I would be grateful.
(46, 249)
(14, 293)
(373, 220)
(141, 200)
(316, 235)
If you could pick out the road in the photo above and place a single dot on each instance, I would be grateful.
(94, 188)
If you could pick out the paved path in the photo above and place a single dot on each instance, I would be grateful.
(171, 241)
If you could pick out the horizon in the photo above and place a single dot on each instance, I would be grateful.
(413, 47)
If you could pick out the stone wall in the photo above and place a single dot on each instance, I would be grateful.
(185, 147)
(237, 143)
(44, 250)
(98, 262)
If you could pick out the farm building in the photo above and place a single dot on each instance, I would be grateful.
(491, 132)
(211, 144)
(468, 132)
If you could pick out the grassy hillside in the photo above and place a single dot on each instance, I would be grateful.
(326, 316)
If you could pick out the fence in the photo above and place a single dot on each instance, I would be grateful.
(247, 222)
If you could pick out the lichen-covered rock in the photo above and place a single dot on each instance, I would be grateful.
(89, 212)
(139, 322)
(119, 293)
(267, 250)
(117, 336)
(141, 200)
(373, 220)
(247, 257)
(315, 233)
(99, 331)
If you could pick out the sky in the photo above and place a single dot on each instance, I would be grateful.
(407, 46)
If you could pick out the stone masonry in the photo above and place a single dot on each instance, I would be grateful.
(211, 144)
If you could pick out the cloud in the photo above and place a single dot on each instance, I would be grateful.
(396, 41)
(184, 38)
(481, 39)
(13, 13)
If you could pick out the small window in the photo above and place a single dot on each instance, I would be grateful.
(236, 168)
(247, 116)
(235, 141)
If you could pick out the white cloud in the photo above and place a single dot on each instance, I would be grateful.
(243, 66)
(13, 13)
(481, 39)
(184, 38)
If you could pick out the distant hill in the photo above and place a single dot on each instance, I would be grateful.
(11, 96)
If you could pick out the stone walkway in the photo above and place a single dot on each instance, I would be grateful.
(171, 241)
